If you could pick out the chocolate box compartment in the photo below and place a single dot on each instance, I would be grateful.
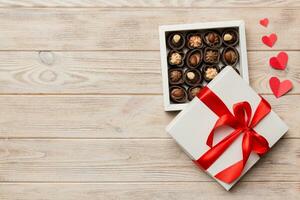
(199, 28)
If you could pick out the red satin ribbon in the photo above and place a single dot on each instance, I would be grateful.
(241, 121)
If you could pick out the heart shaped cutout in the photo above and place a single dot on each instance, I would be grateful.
(264, 22)
(280, 88)
(279, 61)
(269, 40)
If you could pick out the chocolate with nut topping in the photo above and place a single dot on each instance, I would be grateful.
(175, 58)
(230, 37)
(210, 72)
(176, 41)
(192, 77)
(194, 40)
(212, 39)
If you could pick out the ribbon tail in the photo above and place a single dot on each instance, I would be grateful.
(231, 173)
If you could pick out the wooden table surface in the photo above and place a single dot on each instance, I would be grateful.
(81, 107)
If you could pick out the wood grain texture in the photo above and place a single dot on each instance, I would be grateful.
(126, 160)
(114, 116)
(114, 72)
(149, 191)
(133, 28)
(146, 3)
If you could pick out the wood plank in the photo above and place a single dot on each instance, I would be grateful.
(111, 72)
(126, 160)
(132, 28)
(150, 191)
(113, 116)
(146, 3)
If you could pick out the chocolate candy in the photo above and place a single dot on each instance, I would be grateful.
(176, 41)
(176, 76)
(178, 94)
(211, 56)
(212, 39)
(210, 72)
(230, 37)
(193, 91)
(176, 58)
(230, 56)
(194, 40)
(194, 58)
(192, 77)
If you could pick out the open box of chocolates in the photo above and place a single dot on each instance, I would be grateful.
(193, 54)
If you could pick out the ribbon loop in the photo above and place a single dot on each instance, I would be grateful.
(241, 121)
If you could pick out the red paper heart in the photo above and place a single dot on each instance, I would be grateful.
(269, 40)
(264, 22)
(280, 61)
(280, 88)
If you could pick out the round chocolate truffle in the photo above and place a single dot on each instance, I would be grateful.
(193, 91)
(230, 37)
(194, 40)
(178, 94)
(211, 56)
(175, 58)
(176, 41)
(194, 58)
(230, 56)
(192, 77)
(175, 76)
(210, 72)
(212, 39)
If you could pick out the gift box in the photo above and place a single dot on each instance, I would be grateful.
(227, 128)
(193, 54)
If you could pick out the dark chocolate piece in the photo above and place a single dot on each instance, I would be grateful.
(211, 55)
(230, 56)
(230, 37)
(192, 77)
(210, 72)
(178, 94)
(194, 58)
(175, 58)
(194, 40)
(176, 41)
(193, 91)
(175, 76)
(212, 39)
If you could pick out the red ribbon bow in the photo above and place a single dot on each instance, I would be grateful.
(241, 121)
